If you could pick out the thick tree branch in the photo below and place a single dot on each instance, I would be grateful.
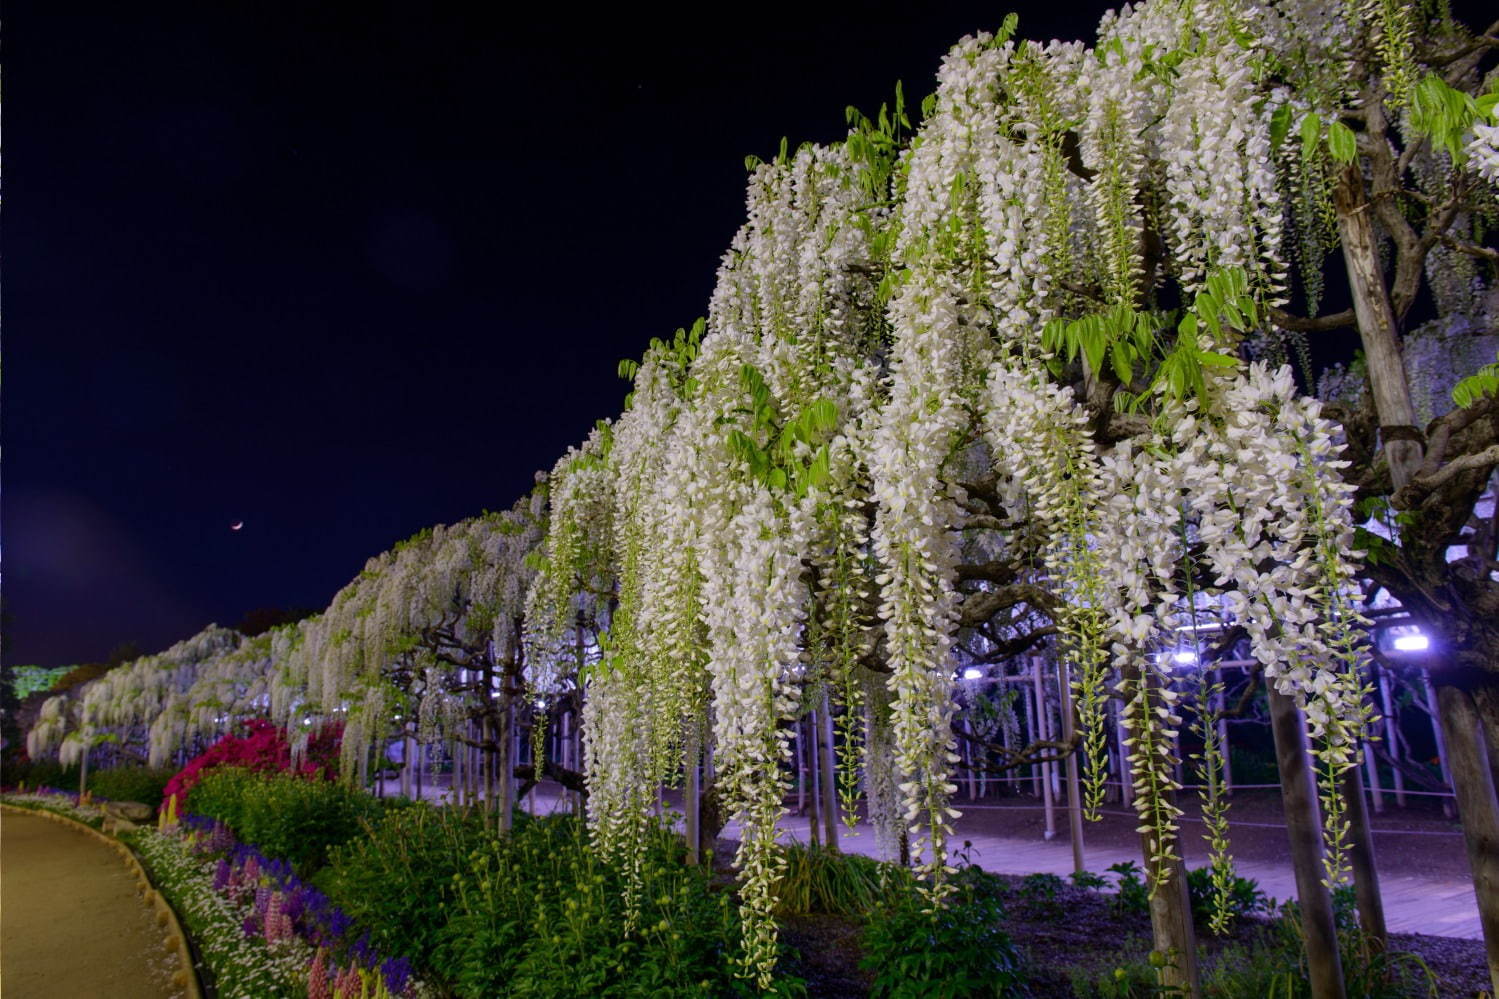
(1317, 324)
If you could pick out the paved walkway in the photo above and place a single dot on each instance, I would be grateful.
(1414, 902)
(71, 923)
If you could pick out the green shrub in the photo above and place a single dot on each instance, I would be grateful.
(957, 950)
(538, 915)
(140, 784)
(288, 817)
(41, 773)
(1088, 880)
(1041, 894)
(826, 881)
(1134, 896)
(398, 880)
(1244, 895)
(1272, 965)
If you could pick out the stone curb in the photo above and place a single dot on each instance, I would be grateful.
(175, 940)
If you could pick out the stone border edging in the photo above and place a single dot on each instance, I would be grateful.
(166, 916)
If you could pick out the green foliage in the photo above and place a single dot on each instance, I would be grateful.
(1134, 894)
(1041, 893)
(955, 950)
(1129, 342)
(293, 818)
(1128, 980)
(140, 784)
(398, 879)
(1243, 897)
(1271, 964)
(537, 914)
(777, 464)
(1088, 880)
(1446, 115)
(826, 881)
(28, 680)
(1482, 383)
(41, 773)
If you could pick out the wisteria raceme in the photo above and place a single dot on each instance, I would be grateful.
(1483, 152)
(127, 701)
(1223, 205)
(1139, 554)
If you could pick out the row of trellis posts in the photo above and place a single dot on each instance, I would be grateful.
(1033, 702)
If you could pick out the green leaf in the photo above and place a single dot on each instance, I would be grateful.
(820, 469)
(821, 416)
(1311, 134)
(1119, 353)
(1007, 29)
(1341, 143)
(1215, 360)
(1280, 125)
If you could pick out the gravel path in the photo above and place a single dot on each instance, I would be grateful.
(71, 923)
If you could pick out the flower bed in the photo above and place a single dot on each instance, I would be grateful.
(50, 799)
(260, 930)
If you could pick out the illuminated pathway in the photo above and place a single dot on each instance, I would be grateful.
(1440, 904)
(71, 923)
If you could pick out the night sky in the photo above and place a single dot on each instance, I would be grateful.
(346, 275)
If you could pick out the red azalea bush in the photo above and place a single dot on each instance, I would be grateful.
(261, 747)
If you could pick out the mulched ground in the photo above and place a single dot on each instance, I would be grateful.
(1079, 933)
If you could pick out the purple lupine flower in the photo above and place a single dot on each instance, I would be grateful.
(221, 875)
(338, 924)
(219, 840)
(262, 899)
(251, 926)
(363, 951)
(278, 871)
(397, 972)
(295, 903)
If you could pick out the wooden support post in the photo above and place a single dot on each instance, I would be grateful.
(1228, 770)
(829, 775)
(1172, 932)
(1032, 732)
(691, 802)
(505, 764)
(1372, 765)
(1477, 808)
(1074, 782)
(407, 760)
(1304, 828)
(1126, 778)
(1043, 724)
(814, 820)
(1391, 733)
(1361, 859)
(801, 772)
(421, 765)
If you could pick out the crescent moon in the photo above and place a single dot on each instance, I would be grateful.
(236, 526)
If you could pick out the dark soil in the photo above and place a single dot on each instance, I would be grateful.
(1078, 935)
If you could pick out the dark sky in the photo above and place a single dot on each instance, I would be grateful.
(344, 276)
(346, 273)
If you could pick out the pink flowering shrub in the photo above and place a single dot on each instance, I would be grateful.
(261, 747)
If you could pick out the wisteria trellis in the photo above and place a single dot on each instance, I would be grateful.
(784, 509)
